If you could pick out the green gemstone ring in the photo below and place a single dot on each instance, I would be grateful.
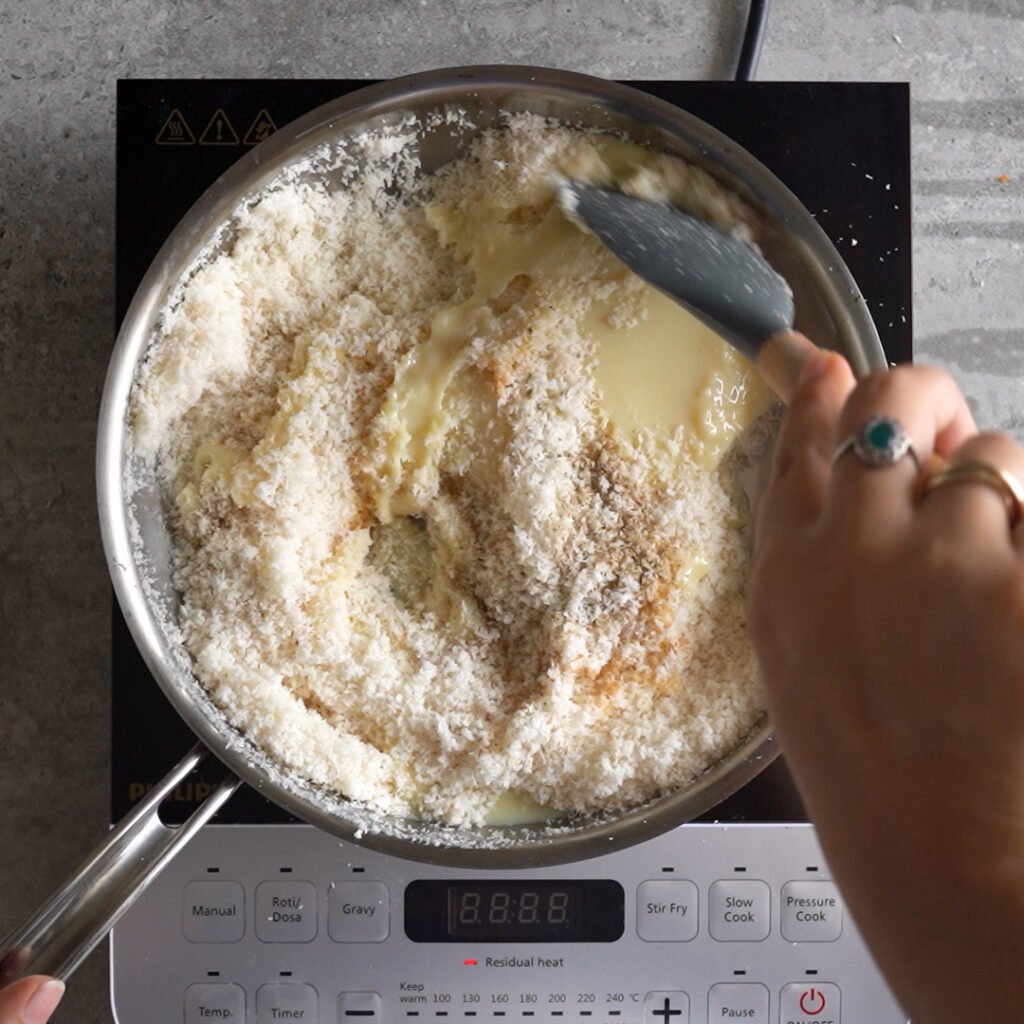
(880, 442)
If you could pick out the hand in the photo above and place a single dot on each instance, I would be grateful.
(30, 1000)
(890, 635)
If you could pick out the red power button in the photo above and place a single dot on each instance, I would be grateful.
(812, 1001)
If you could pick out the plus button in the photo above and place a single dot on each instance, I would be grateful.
(666, 1007)
(667, 1011)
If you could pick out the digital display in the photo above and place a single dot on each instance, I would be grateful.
(514, 911)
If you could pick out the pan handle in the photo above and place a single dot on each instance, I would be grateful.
(57, 936)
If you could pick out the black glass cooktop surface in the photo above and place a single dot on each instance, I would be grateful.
(842, 148)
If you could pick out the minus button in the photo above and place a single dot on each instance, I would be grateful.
(359, 1005)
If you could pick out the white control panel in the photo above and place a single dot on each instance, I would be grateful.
(283, 924)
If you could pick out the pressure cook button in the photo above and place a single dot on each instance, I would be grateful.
(219, 1002)
(358, 912)
(744, 1001)
(666, 1008)
(213, 912)
(811, 912)
(281, 1003)
(666, 911)
(356, 1006)
(286, 912)
(810, 1004)
(739, 911)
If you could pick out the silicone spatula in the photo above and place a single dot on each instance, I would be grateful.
(721, 279)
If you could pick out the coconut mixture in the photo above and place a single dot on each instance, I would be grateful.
(454, 495)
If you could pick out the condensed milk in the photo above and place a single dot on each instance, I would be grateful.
(658, 367)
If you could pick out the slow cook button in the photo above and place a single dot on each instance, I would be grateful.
(744, 1001)
(286, 912)
(666, 911)
(811, 912)
(218, 1002)
(358, 912)
(282, 1003)
(213, 912)
(739, 910)
(810, 1004)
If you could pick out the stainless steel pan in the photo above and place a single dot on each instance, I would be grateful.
(829, 308)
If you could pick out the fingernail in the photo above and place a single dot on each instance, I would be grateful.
(43, 1002)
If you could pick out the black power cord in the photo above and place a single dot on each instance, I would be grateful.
(753, 40)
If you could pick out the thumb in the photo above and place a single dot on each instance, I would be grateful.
(30, 1000)
(781, 360)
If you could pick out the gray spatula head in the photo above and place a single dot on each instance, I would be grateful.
(720, 279)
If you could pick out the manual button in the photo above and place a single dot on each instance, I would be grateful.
(213, 912)
(358, 912)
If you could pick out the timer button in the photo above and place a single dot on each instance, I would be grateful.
(666, 911)
(358, 912)
(286, 1001)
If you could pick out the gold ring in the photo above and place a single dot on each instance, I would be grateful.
(1005, 484)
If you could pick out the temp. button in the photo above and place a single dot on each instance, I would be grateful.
(358, 912)
(220, 1001)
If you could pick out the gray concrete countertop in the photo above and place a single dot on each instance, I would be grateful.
(58, 68)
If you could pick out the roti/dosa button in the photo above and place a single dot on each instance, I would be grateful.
(286, 912)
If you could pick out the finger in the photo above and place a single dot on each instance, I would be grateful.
(31, 1000)
(803, 451)
(930, 407)
(781, 360)
(972, 512)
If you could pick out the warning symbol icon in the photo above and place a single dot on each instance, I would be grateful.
(261, 128)
(219, 131)
(175, 131)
